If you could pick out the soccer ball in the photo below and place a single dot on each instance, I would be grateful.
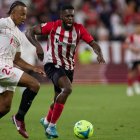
(83, 129)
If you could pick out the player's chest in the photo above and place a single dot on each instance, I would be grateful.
(64, 38)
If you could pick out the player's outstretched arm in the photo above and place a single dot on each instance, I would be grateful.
(26, 66)
(30, 34)
(132, 48)
(98, 51)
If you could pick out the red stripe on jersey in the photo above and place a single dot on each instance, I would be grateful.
(11, 40)
(131, 38)
(60, 47)
(68, 49)
(53, 47)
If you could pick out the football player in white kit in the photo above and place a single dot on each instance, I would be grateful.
(11, 76)
(133, 78)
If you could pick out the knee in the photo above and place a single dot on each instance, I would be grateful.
(67, 90)
(35, 86)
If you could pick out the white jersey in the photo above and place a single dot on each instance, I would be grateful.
(134, 41)
(11, 40)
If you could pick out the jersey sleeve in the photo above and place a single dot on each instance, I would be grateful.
(85, 35)
(47, 27)
(21, 40)
(2, 23)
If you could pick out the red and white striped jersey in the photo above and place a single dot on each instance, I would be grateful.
(61, 44)
(134, 41)
(10, 38)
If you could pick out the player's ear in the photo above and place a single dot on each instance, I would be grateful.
(60, 16)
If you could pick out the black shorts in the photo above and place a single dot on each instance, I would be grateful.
(133, 65)
(55, 73)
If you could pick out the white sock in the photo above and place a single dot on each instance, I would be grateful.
(46, 121)
(51, 124)
(129, 91)
(137, 87)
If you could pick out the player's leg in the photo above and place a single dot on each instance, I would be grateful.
(27, 97)
(64, 87)
(131, 78)
(130, 81)
(28, 94)
(137, 82)
(5, 102)
(60, 80)
(8, 80)
(46, 120)
(58, 106)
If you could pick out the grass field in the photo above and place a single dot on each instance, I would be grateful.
(114, 115)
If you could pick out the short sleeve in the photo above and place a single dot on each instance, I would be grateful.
(2, 23)
(85, 35)
(47, 27)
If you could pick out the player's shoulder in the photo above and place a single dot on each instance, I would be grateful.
(78, 25)
(52, 23)
(58, 22)
(4, 20)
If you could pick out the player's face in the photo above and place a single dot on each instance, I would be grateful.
(68, 18)
(19, 15)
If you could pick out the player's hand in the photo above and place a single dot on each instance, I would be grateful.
(100, 59)
(40, 71)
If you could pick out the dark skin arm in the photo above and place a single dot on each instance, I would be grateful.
(24, 65)
(30, 34)
(98, 51)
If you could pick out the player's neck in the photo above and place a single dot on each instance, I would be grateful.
(65, 27)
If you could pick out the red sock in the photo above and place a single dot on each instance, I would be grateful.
(57, 110)
(138, 78)
(130, 81)
(49, 115)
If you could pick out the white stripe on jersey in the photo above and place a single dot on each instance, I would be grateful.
(74, 39)
(64, 50)
(58, 30)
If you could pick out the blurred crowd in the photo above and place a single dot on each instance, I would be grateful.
(105, 19)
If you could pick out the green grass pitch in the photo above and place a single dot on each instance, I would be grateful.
(114, 115)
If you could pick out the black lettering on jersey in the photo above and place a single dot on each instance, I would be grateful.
(57, 41)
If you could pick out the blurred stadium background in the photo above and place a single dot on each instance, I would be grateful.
(109, 21)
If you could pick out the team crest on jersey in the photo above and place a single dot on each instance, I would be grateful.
(14, 42)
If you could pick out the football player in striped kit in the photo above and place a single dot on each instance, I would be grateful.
(11, 76)
(63, 37)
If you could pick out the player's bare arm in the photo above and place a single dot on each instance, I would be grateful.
(24, 65)
(132, 48)
(98, 51)
(30, 34)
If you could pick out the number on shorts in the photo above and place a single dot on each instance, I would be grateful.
(6, 70)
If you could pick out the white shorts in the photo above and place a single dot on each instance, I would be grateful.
(9, 77)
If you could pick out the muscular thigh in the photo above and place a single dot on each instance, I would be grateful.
(26, 80)
(59, 76)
